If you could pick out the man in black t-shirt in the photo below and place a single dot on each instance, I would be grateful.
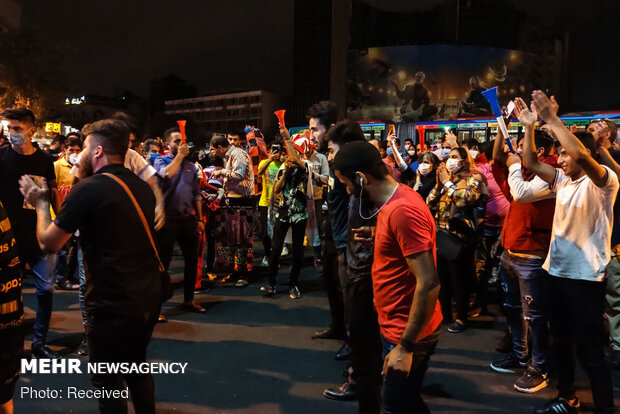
(11, 313)
(17, 159)
(123, 284)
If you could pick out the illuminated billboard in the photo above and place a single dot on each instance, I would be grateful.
(423, 83)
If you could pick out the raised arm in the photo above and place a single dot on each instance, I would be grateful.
(528, 116)
(548, 109)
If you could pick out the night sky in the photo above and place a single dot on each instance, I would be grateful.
(225, 45)
(118, 45)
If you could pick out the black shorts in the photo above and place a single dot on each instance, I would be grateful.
(12, 341)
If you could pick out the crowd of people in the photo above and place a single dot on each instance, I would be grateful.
(401, 232)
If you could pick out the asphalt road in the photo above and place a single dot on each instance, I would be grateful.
(249, 354)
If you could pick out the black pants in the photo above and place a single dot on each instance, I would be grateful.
(264, 234)
(67, 262)
(183, 231)
(279, 233)
(365, 343)
(456, 278)
(576, 316)
(122, 338)
(330, 273)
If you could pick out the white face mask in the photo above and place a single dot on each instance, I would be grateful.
(411, 152)
(474, 153)
(73, 158)
(407, 146)
(424, 168)
(519, 151)
(453, 165)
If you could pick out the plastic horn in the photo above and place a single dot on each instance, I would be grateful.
(421, 129)
(182, 130)
(280, 115)
(491, 96)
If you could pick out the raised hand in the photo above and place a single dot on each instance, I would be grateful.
(527, 116)
(32, 193)
(547, 107)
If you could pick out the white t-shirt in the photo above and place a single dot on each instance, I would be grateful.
(581, 236)
(133, 161)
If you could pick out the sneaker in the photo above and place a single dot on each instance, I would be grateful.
(268, 291)
(265, 262)
(456, 327)
(294, 293)
(510, 364)
(284, 251)
(560, 406)
(318, 265)
(532, 380)
(241, 283)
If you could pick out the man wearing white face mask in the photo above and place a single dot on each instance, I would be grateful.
(18, 159)
(66, 260)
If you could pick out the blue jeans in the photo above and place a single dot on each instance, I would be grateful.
(402, 396)
(44, 269)
(526, 300)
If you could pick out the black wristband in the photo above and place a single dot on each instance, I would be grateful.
(408, 345)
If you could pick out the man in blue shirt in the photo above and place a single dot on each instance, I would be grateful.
(183, 211)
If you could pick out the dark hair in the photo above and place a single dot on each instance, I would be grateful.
(344, 132)
(236, 134)
(360, 156)
(130, 121)
(111, 134)
(151, 141)
(219, 141)
(19, 114)
(327, 112)
(543, 140)
(169, 132)
(587, 140)
(61, 139)
(215, 161)
(487, 149)
(73, 141)
(408, 139)
(76, 134)
(471, 143)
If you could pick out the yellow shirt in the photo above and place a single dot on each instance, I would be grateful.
(62, 168)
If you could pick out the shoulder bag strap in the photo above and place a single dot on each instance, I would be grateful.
(141, 214)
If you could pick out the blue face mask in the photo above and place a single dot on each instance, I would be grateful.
(16, 139)
(152, 157)
(445, 152)
(247, 130)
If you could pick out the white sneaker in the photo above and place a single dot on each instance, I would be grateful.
(284, 251)
(265, 262)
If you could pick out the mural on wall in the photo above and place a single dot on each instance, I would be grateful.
(422, 83)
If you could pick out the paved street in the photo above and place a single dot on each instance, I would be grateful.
(249, 354)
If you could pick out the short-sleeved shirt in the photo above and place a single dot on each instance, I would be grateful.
(62, 169)
(136, 163)
(181, 190)
(23, 215)
(581, 235)
(405, 226)
(293, 206)
(319, 165)
(269, 178)
(122, 274)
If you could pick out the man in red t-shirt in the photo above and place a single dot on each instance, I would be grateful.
(404, 275)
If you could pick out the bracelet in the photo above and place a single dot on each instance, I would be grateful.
(408, 345)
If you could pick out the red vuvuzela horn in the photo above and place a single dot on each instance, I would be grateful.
(280, 115)
(182, 130)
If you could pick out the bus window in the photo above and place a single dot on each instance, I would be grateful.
(480, 135)
(464, 135)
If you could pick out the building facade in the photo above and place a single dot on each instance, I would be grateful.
(228, 112)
